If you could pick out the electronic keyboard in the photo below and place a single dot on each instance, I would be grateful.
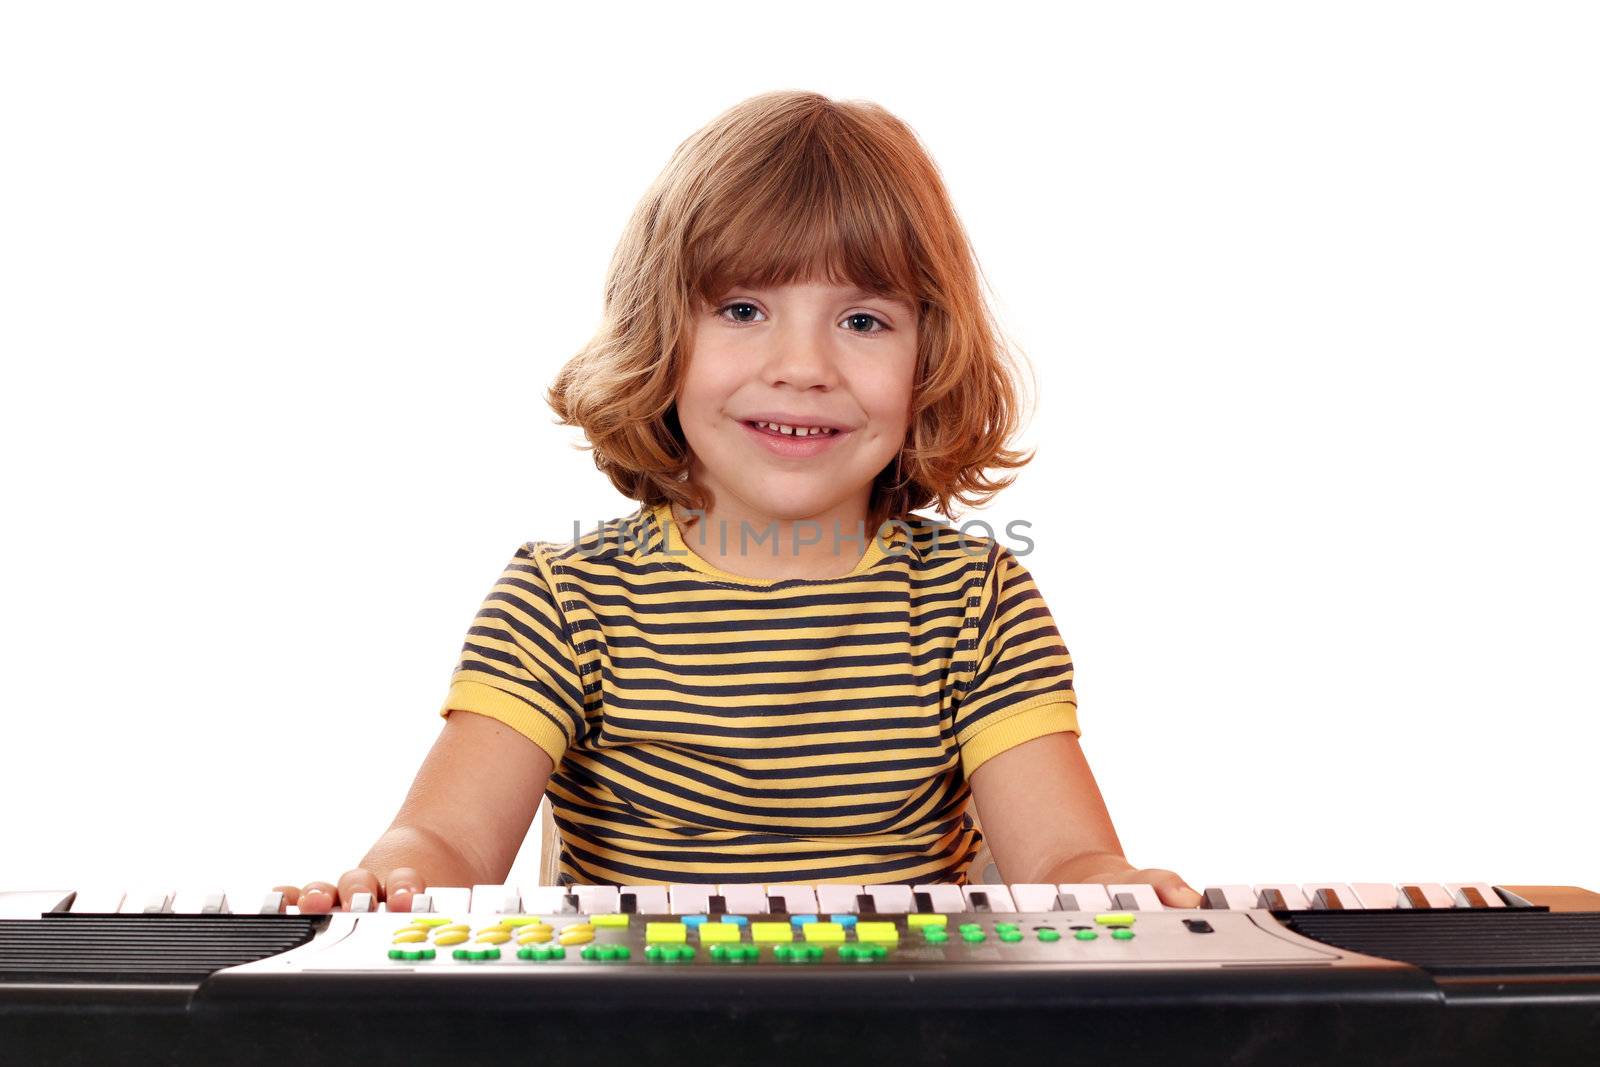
(1260, 973)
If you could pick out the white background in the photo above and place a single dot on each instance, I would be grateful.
(1309, 290)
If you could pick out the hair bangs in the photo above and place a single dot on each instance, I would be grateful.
(810, 214)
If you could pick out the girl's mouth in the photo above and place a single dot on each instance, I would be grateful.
(800, 444)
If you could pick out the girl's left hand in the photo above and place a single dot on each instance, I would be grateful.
(1170, 889)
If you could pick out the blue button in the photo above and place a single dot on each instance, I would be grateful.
(737, 920)
(801, 920)
(691, 920)
(843, 920)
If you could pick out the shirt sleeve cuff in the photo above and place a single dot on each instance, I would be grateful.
(516, 713)
(1051, 715)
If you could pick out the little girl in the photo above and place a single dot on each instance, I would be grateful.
(772, 671)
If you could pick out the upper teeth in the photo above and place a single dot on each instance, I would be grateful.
(798, 431)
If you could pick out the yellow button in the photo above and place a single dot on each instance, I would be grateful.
(765, 932)
(713, 932)
(432, 920)
(609, 920)
(654, 932)
(575, 937)
(407, 936)
(1115, 918)
(878, 931)
(454, 937)
(535, 935)
(923, 919)
(823, 932)
(580, 926)
(453, 927)
(511, 922)
(494, 936)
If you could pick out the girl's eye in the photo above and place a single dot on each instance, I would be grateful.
(738, 305)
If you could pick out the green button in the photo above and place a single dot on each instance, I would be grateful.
(847, 952)
(934, 935)
(1002, 927)
(1122, 933)
(1009, 936)
(967, 927)
(972, 935)
(653, 952)
(396, 954)
(1049, 933)
(558, 952)
(1085, 935)
(783, 952)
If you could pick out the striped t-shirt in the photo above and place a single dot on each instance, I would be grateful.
(707, 727)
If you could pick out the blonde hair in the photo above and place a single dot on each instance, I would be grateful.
(791, 187)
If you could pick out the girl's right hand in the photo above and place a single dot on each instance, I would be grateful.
(319, 897)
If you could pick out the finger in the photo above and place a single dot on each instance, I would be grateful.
(359, 880)
(291, 894)
(317, 897)
(402, 884)
(1173, 891)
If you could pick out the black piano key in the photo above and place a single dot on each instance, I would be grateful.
(979, 900)
(1065, 902)
(924, 902)
(569, 904)
(1215, 899)
(777, 906)
(865, 905)
(1327, 899)
(1273, 900)
(717, 905)
(1473, 898)
(1125, 902)
(629, 903)
(1415, 897)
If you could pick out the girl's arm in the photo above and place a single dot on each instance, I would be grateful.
(462, 823)
(1045, 821)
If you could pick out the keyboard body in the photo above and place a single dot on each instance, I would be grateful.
(1436, 976)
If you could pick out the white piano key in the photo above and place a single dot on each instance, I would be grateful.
(1034, 896)
(542, 900)
(692, 899)
(1239, 897)
(890, 899)
(946, 896)
(837, 899)
(1090, 896)
(999, 896)
(1381, 895)
(199, 902)
(98, 900)
(647, 899)
(596, 899)
(271, 902)
(744, 898)
(1485, 890)
(147, 901)
(30, 904)
(1144, 895)
(799, 899)
(1432, 892)
(1293, 899)
(451, 900)
(422, 903)
(1346, 897)
(363, 902)
(496, 900)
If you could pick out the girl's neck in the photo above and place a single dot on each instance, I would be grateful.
(743, 541)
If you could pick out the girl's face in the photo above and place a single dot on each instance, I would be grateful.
(807, 355)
